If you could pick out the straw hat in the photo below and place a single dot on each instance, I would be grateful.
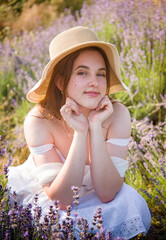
(69, 41)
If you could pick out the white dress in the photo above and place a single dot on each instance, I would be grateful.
(126, 216)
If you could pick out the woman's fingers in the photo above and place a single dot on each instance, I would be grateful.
(73, 116)
(73, 105)
(102, 112)
(70, 107)
(104, 103)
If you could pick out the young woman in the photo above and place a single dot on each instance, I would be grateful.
(78, 136)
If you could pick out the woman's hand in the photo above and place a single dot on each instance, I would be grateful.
(102, 112)
(73, 116)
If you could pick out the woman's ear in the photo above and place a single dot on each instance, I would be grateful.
(59, 83)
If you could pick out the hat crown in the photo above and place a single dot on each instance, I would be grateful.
(71, 38)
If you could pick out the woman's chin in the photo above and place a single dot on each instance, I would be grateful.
(89, 106)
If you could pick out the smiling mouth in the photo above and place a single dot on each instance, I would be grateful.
(92, 93)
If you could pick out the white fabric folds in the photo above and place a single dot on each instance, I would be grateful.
(46, 172)
(120, 142)
(120, 164)
(47, 147)
(41, 149)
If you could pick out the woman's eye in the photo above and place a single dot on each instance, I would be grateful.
(101, 74)
(82, 73)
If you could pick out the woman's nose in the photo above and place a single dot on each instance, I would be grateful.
(93, 81)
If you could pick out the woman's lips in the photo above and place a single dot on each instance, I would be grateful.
(92, 93)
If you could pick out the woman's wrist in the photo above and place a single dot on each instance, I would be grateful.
(95, 130)
(95, 126)
(81, 133)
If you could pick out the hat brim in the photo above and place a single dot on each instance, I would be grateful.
(38, 92)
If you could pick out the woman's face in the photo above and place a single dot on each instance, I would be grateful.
(87, 84)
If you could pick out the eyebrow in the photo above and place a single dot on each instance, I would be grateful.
(82, 66)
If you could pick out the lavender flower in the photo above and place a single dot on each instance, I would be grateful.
(75, 196)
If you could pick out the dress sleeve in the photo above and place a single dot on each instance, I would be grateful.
(120, 163)
(119, 142)
(46, 172)
(41, 149)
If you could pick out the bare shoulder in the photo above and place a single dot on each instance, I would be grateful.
(120, 121)
(37, 129)
(120, 110)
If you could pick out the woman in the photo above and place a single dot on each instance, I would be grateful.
(78, 136)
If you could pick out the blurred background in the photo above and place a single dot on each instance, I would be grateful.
(138, 29)
(21, 15)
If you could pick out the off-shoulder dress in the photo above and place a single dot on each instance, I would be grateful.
(126, 215)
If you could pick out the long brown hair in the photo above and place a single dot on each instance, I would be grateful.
(55, 98)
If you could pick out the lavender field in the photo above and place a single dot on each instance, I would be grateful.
(138, 29)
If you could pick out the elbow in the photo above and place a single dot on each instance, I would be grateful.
(63, 203)
(50, 194)
(63, 206)
(107, 198)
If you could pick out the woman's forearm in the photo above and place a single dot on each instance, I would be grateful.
(71, 173)
(106, 179)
